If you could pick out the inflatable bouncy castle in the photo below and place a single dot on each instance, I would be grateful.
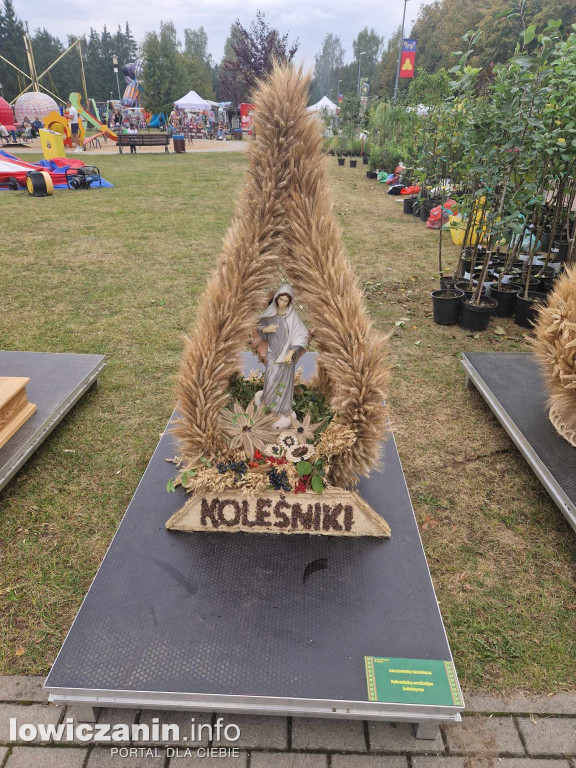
(132, 73)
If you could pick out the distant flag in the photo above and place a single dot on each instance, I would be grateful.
(340, 98)
(408, 58)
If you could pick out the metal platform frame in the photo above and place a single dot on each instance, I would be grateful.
(248, 692)
(536, 461)
(57, 382)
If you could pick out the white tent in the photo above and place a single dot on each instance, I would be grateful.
(324, 103)
(192, 101)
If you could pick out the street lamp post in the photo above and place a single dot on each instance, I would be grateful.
(359, 64)
(115, 64)
(399, 55)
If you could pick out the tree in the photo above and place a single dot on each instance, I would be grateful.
(231, 84)
(426, 30)
(12, 48)
(369, 43)
(164, 71)
(386, 72)
(441, 25)
(198, 76)
(255, 50)
(47, 48)
(198, 62)
(427, 88)
(196, 44)
(330, 59)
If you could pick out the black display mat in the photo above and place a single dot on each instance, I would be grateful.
(235, 615)
(57, 381)
(514, 389)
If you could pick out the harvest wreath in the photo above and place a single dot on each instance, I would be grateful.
(272, 453)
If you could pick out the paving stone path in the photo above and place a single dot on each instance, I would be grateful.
(518, 732)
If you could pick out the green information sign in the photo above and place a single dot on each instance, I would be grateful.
(412, 681)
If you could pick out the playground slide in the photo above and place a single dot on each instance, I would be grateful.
(75, 99)
(154, 121)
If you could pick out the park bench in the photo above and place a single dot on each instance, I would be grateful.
(143, 140)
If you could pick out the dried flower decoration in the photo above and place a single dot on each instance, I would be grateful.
(248, 429)
(305, 429)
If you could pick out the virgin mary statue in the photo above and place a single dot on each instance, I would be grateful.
(285, 339)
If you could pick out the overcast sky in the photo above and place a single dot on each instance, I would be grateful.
(308, 21)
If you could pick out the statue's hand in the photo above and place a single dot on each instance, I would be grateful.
(270, 329)
(289, 356)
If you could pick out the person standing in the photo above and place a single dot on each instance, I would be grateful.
(74, 126)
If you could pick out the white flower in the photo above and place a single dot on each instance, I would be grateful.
(300, 453)
(255, 376)
(271, 449)
(288, 439)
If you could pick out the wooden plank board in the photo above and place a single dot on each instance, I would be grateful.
(15, 410)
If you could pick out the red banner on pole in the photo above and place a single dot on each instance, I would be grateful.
(407, 64)
(408, 58)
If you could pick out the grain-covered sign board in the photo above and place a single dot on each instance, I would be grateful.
(335, 512)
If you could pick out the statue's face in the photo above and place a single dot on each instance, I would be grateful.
(282, 301)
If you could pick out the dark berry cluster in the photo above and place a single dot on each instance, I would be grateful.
(279, 480)
(239, 467)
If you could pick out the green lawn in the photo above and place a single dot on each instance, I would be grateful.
(118, 272)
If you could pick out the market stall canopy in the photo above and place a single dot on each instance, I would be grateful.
(324, 103)
(192, 101)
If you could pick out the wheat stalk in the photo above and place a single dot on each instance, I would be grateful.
(286, 222)
(555, 347)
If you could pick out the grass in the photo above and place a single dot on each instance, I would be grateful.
(118, 272)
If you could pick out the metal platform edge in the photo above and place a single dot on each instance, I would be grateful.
(425, 715)
(44, 429)
(562, 501)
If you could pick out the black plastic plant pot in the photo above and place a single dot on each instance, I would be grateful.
(533, 285)
(462, 285)
(341, 161)
(476, 318)
(408, 205)
(562, 250)
(547, 285)
(506, 298)
(425, 208)
(526, 309)
(466, 264)
(451, 281)
(353, 163)
(364, 160)
(416, 208)
(446, 308)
